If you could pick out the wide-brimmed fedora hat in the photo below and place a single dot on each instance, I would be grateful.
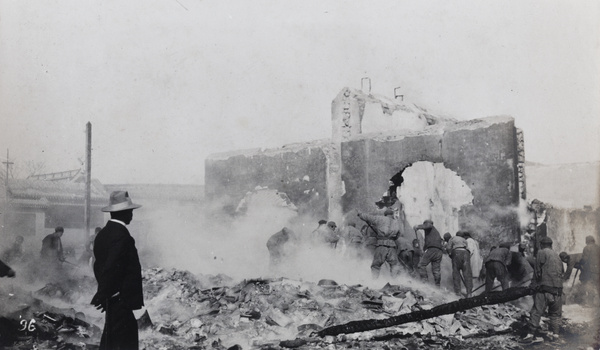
(119, 201)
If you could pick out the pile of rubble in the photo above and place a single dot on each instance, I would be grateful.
(214, 312)
(27, 322)
(284, 313)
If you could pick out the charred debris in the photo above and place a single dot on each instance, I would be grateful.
(215, 312)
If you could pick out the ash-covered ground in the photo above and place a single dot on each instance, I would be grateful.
(210, 286)
(187, 311)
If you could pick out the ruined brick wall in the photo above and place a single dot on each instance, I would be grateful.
(481, 152)
(486, 158)
(299, 171)
(370, 162)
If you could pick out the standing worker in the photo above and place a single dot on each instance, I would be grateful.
(354, 240)
(119, 275)
(386, 229)
(276, 246)
(590, 270)
(495, 267)
(52, 249)
(432, 252)
(331, 235)
(461, 263)
(473, 247)
(549, 278)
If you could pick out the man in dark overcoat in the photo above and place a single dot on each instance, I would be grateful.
(119, 275)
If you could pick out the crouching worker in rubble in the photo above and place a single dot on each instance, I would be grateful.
(548, 275)
(572, 261)
(495, 267)
(386, 229)
(276, 246)
(119, 275)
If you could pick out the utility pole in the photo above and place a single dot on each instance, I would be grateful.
(8, 164)
(88, 179)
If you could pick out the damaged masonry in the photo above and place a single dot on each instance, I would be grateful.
(458, 174)
(463, 175)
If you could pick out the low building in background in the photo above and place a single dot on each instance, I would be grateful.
(35, 206)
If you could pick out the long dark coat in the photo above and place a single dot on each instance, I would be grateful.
(117, 267)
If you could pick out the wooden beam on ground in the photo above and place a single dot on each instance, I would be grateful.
(444, 309)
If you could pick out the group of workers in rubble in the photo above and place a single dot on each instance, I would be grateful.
(385, 239)
(537, 265)
(587, 264)
(116, 265)
(52, 254)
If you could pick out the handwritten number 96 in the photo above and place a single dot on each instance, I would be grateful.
(27, 326)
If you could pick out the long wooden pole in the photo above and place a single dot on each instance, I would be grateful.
(88, 179)
(444, 309)
(8, 164)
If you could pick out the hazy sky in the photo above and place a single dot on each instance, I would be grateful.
(167, 82)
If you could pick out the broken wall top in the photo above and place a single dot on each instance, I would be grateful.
(436, 129)
(292, 147)
(393, 135)
(356, 112)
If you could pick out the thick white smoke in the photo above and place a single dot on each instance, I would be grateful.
(203, 242)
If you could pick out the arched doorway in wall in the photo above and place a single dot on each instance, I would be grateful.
(432, 191)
